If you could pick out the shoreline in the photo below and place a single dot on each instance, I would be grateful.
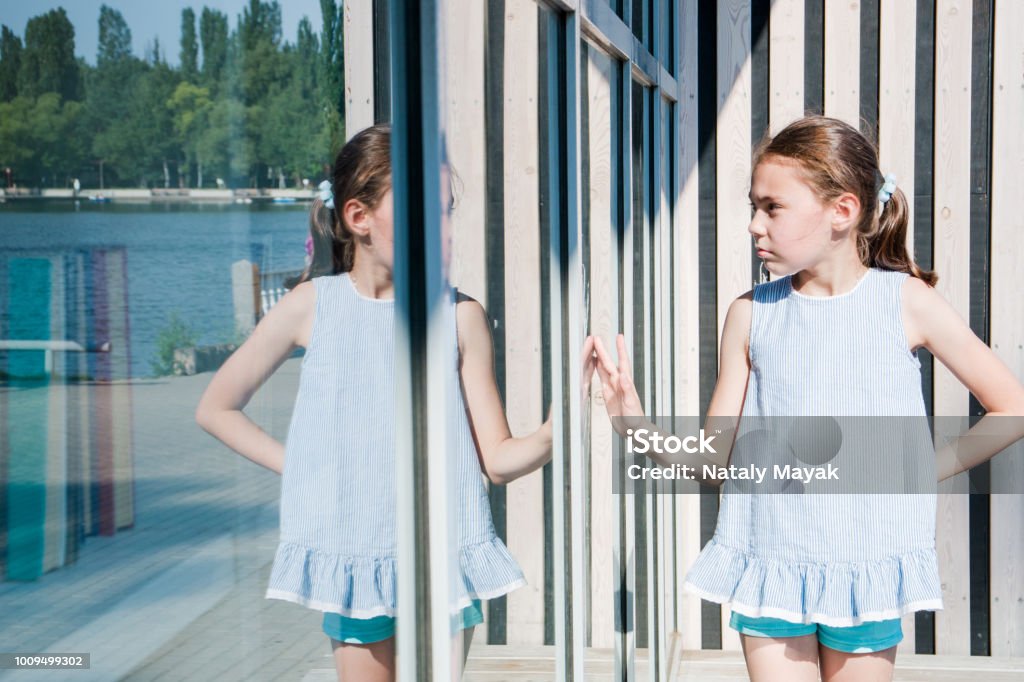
(124, 194)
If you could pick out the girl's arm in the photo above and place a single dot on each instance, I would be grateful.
(287, 325)
(933, 323)
(621, 398)
(502, 457)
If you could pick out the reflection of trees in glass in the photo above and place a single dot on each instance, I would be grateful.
(243, 105)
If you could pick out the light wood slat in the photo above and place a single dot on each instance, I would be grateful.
(685, 300)
(665, 510)
(466, 144)
(786, 63)
(733, 176)
(842, 60)
(604, 292)
(1007, 326)
(896, 98)
(467, 152)
(524, 497)
(358, 33)
(951, 208)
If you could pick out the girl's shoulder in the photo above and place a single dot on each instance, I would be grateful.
(472, 324)
(769, 292)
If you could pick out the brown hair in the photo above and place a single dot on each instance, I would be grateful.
(362, 171)
(835, 158)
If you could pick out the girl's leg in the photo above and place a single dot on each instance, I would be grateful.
(839, 666)
(794, 659)
(370, 662)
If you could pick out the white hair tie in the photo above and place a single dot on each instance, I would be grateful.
(326, 194)
(888, 187)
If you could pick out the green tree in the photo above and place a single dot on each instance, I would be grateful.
(115, 38)
(15, 130)
(190, 108)
(110, 98)
(10, 64)
(48, 58)
(189, 54)
(213, 35)
(41, 139)
(332, 56)
(189, 47)
(152, 125)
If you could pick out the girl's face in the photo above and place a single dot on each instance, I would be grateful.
(381, 229)
(791, 227)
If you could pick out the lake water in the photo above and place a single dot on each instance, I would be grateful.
(177, 257)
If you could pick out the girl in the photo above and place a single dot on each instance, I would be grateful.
(821, 581)
(337, 550)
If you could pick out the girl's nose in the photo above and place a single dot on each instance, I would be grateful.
(755, 228)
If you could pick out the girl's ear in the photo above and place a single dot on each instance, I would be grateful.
(846, 211)
(355, 215)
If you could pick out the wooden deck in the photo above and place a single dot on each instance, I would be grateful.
(491, 663)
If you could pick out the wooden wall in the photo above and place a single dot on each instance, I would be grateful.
(937, 83)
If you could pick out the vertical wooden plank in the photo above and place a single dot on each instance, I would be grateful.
(896, 110)
(869, 65)
(896, 99)
(56, 428)
(707, 134)
(525, 497)
(121, 389)
(467, 153)
(570, 473)
(786, 63)
(951, 210)
(814, 56)
(842, 60)
(493, 229)
(466, 145)
(625, 526)
(1007, 325)
(733, 177)
(663, 502)
(604, 290)
(980, 538)
(686, 266)
(358, 38)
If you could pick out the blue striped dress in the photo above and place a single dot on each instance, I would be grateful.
(835, 559)
(338, 536)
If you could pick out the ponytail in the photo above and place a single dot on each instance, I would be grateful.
(885, 246)
(333, 250)
(361, 171)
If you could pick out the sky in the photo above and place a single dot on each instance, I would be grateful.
(147, 19)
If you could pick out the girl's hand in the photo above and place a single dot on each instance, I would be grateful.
(620, 396)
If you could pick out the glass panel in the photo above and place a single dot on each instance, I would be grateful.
(157, 209)
(501, 118)
(602, 219)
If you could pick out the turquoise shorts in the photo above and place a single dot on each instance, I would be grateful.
(856, 639)
(369, 630)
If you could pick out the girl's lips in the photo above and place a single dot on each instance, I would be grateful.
(761, 253)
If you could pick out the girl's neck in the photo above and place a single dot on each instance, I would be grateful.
(829, 278)
(372, 281)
